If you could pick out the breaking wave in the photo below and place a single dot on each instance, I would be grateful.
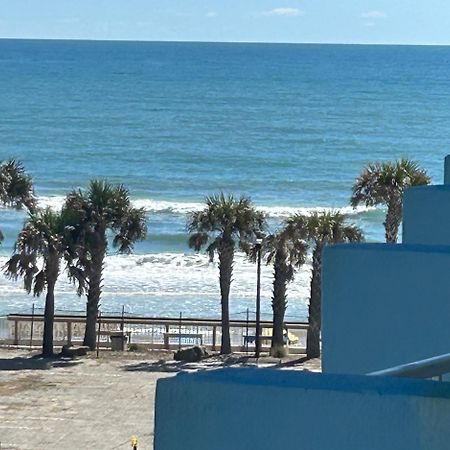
(182, 208)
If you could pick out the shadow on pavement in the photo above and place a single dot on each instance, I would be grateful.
(158, 366)
(208, 363)
(34, 363)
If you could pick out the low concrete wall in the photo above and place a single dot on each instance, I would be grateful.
(426, 215)
(384, 305)
(262, 409)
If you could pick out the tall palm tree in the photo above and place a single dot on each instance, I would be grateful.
(40, 247)
(321, 229)
(385, 184)
(286, 251)
(16, 187)
(103, 208)
(224, 224)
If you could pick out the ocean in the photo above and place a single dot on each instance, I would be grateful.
(289, 125)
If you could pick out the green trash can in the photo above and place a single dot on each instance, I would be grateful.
(118, 341)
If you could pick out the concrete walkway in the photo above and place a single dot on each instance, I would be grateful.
(89, 403)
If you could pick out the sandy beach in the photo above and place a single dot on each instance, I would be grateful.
(88, 402)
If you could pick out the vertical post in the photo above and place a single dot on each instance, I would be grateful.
(166, 338)
(246, 332)
(16, 332)
(122, 322)
(69, 333)
(99, 328)
(258, 303)
(32, 326)
(179, 332)
(214, 338)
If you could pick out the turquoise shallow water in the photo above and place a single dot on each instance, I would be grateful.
(290, 125)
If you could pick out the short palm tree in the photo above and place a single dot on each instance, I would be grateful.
(103, 208)
(286, 251)
(16, 187)
(224, 224)
(385, 184)
(321, 229)
(40, 247)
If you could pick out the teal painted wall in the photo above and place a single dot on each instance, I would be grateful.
(447, 170)
(384, 305)
(262, 409)
(426, 215)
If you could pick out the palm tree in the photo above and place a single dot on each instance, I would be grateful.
(224, 224)
(286, 250)
(320, 228)
(103, 208)
(385, 184)
(39, 249)
(16, 187)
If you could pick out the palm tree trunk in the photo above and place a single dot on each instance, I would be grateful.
(393, 220)
(313, 335)
(226, 257)
(279, 302)
(93, 297)
(49, 318)
(49, 311)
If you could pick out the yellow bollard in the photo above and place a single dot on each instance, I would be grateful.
(134, 442)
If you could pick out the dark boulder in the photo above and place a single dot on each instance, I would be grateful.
(191, 354)
(71, 351)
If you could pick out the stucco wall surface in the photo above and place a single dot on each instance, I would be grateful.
(262, 409)
(426, 215)
(447, 170)
(384, 305)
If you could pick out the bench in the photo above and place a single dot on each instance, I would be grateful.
(251, 339)
(197, 337)
(107, 333)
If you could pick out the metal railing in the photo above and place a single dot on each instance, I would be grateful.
(4, 330)
(434, 367)
(156, 332)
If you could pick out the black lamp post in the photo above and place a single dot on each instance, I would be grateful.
(258, 245)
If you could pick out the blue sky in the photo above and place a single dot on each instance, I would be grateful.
(343, 21)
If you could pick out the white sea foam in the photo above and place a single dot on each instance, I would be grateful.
(181, 208)
(169, 283)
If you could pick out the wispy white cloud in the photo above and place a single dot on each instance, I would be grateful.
(373, 15)
(211, 14)
(284, 12)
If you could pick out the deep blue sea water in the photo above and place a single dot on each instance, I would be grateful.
(289, 125)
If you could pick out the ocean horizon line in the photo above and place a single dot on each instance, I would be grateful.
(187, 41)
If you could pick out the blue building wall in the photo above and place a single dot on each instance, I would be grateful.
(426, 215)
(266, 409)
(447, 170)
(384, 305)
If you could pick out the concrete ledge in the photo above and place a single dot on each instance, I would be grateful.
(246, 409)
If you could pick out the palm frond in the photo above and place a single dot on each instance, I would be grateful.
(133, 228)
(16, 186)
(234, 219)
(42, 236)
(381, 183)
(197, 240)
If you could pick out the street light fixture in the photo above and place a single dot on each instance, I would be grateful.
(258, 245)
